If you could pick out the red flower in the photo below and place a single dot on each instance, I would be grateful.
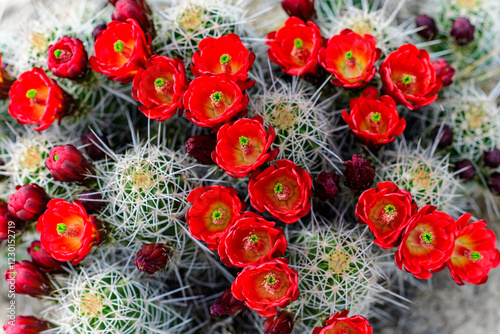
(374, 121)
(386, 211)
(225, 54)
(474, 253)
(251, 240)
(160, 87)
(67, 164)
(427, 243)
(215, 208)
(6, 81)
(214, 100)
(67, 232)
(242, 146)
(283, 190)
(42, 259)
(28, 279)
(295, 47)
(351, 58)
(121, 50)
(443, 70)
(409, 77)
(37, 99)
(28, 202)
(267, 286)
(339, 323)
(67, 58)
(25, 325)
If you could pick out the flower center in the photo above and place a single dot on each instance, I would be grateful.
(217, 96)
(299, 51)
(426, 239)
(62, 55)
(271, 283)
(298, 43)
(348, 55)
(246, 147)
(253, 238)
(159, 82)
(225, 61)
(474, 256)
(36, 248)
(244, 141)
(61, 228)
(217, 217)
(390, 209)
(31, 93)
(406, 80)
(281, 191)
(57, 53)
(119, 46)
(165, 87)
(376, 117)
(217, 103)
(349, 59)
(56, 157)
(271, 280)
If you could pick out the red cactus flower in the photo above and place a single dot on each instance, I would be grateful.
(67, 232)
(374, 121)
(121, 50)
(267, 286)
(8, 223)
(444, 71)
(67, 58)
(37, 99)
(133, 9)
(152, 257)
(28, 279)
(295, 47)
(67, 164)
(386, 210)
(427, 243)
(25, 325)
(243, 146)
(226, 304)
(214, 210)
(6, 81)
(251, 240)
(280, 323)
(409, 77)
(43, 260)
(474, 253)
(351, 58)
(283, 190)
(225, 54)
(28, 202)
(339, 323)
(160, 87)
(215, 100)
(303, 9)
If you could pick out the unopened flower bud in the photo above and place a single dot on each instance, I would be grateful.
(133, 9)
(201, 148)
(359, 174)
(326, 185)
(280, 323)
(41, 258)
(92, 143)
(25, 325)
(446, 135)
(152, 257)
(28, 202)
(28, 279)
(463, 31)
(494, 183)
(97, 30)
(303, 9)
(91, 201)
(226, 304)
(492, 158)
(429, 30)
(67, 164)
(467, 172)
(443, 71)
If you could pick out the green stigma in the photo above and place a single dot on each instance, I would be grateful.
(376, 117)
(244, 141)
(31, 93)
(278, 188)
(61, 228)
(349, 55)
(57, 53)
(271, 280)
(14, 273)
(56, 157)
(217, 96)
(390, 209)
(224, 59)
(427, 237)
(475, 255)
(253, 238)
(217, 215)
(36, 248)
(159, 82)
(299, 44)
(119, 46)
(406, 80)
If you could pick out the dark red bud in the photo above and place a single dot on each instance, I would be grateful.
(97, 30)
(492, 158)
(91, 201)
(429, 30)
(463, 31)
(25, 325)
(468, 171)
(133, 9)
(359, 174)
(446, 135)
(92, 143)
(443, 71)
(152, 257)
(226, 304)
(8, 223)
(67, 164)
(28, 203)
(326, 185)
(303, 9)
(41, 258)
(26, 278)
(494, 183)
(280, 323)
(201, 148)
